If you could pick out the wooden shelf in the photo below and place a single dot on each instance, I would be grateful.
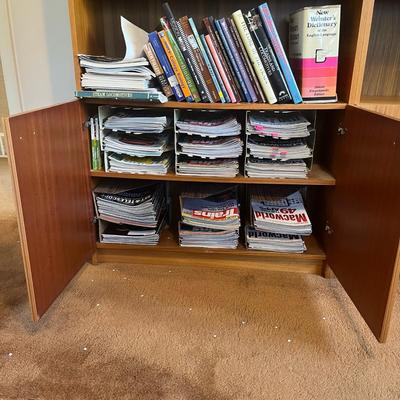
(317, 177)
(219, 106)
(168, 252)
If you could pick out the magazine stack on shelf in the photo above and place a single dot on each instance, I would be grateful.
(130, 212)
(210, 217)
(136, 141)
(278, 221)
(130, 77)
(278, 145)
(207, 144)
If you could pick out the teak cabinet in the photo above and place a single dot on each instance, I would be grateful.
(353, 190)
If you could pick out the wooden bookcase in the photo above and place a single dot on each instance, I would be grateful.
(352, 192)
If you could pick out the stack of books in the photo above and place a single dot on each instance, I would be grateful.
(278, 145)
(278, 221)
(208, 144)
(138, 141)
(128, 77)
(130, 212)
(210, 217)
(235, 59)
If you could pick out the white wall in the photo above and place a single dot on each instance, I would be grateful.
(36, 53)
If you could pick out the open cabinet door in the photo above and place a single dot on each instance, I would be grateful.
(50, 167)
(363, 216)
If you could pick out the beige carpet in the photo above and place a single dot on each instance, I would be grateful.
(136, 332)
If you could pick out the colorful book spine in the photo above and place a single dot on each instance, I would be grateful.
(215, 69)
(139, 96)
(267, 56)
(175, 65)
(235, 82)
(276, 43)
(262, 76)
(166, 66)
(207, 60)
(151, 56)
(221, 69)
(181, 60)
(245, 80)
(187, 52)
(314, 51)
(210, 87)
(236, 72)
(97, 146)
(247, 63)
(93, 142)
(210, 30)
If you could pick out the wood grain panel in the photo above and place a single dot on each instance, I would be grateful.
(168, 252)
(363, 215)
(48, 153)
(87, 33)
(382, 77)
(219, 106)
(317, 176)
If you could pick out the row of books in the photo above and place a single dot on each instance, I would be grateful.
(238, 58)
(205, 143)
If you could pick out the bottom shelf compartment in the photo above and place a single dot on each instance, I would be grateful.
(168, 252)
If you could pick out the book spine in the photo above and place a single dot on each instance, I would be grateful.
(245, 80)
(221, 58)
(236, 73)
(254, 57)
(175, 65)
(181, 60)
(207, 60)
(313, 51)
(276, 43)
(93, 144)
(205, 73)
(245, 58)
(267, 57)
(235, 83)
(166, 66)
(108, 94)
(97, 147)
(220, 68)
(151, 56)
(187, 53)
(225, 95)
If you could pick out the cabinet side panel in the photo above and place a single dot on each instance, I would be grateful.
(51, 176)
(363, 216)
(87, 34)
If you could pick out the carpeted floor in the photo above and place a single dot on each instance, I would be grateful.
(135, 332)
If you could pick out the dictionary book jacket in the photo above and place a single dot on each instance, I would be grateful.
(314, 50)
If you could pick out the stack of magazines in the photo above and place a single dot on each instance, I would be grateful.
(208, 144)
(278, 221)
(278, 145)
(129, 77)
(130, 212)
(138, 141)
(210, 218)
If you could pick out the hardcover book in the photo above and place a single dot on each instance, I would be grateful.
(187, 52)
(267, 57)
(209, 84)
(155, 64)
(314, 51)
(276, 43)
